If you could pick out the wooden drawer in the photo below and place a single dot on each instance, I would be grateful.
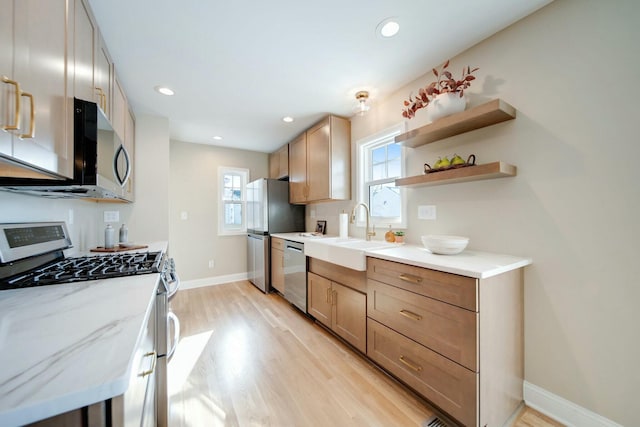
(444, 328)
(277, 243)
(451, 288)
(448, 385)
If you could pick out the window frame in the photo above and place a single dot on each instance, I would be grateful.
(365, 147)
(223, 229)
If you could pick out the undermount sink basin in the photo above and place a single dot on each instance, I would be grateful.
(348, 252)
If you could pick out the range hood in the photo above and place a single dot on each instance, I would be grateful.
(102, 165)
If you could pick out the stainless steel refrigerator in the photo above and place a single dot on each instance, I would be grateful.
(268, 212)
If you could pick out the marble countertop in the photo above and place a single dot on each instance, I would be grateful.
(476, 264)
(70, 345)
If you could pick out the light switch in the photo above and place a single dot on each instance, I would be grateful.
(184, 215)
(427, 212)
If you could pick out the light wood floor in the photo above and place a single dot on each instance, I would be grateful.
(249, 359)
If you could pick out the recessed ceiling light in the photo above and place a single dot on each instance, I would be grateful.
(388, 28)
(287, 119)
(164, 90)
(217, 138)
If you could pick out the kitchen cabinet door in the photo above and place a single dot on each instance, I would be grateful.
(277, 266)
(7, 88)
(319, 298)
(40, 39)
(274, 165)
(318, 161)
(84, 40)
(283, 161)
(298, 170)
(130, 146)
(119, 109)
(103, 74)
(349, 316)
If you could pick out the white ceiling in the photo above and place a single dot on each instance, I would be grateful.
(238, 66)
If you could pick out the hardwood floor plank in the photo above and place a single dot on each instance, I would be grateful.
(250, 359)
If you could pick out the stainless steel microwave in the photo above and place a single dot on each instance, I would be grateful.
(102, 165)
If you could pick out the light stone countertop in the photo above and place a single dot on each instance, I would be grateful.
(67, 346)
(480, 265)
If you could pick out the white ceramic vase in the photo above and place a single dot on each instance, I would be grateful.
(446, 104)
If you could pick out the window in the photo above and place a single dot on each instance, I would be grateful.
(380, 162)
(232, 213)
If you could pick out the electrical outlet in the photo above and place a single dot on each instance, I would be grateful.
(111, 216)
(427, 212)
(70, 220)
(184, 215)
(211, 263)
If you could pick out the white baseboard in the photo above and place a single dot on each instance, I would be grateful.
(212, 281)
(563, 410)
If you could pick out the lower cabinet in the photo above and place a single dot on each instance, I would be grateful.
(136, 407)
(277, 264)
(339, 307)
(455, 340)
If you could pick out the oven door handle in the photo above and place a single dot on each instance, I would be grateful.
(173, 284)
(172, 318)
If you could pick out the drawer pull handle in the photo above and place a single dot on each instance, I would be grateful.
(153, 364)
(16, 118)
(410, 365)
(32, 117)
(334, 298)
(409, 278)
(410, 315)
(328, 298)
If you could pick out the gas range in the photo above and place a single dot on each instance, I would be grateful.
(31, 255)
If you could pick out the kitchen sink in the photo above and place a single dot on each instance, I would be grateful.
(348, 252)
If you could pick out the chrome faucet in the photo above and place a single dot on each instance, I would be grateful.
(368, 233)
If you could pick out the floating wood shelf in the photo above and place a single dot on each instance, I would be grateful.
(470, 173)
(487, 114)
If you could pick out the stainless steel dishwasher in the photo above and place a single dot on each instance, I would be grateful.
(295, 274)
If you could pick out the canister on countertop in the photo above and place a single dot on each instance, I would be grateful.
(109, 237)
(124, 234)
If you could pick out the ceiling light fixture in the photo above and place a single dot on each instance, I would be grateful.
(388, 28)
(362, 97)
(164, 90)
(287, 119)
(217, 138)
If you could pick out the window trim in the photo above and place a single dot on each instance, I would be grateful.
(364, 148)
(222, 229)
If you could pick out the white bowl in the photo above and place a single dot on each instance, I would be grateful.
(445, 245)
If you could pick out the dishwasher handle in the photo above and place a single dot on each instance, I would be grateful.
(293, 248)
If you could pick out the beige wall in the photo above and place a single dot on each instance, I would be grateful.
(570, 70)
(194, 189)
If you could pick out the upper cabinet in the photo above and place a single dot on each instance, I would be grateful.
(320, 162)
(35, 97)
(279, 163)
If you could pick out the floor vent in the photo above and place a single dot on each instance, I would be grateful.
(435, 421)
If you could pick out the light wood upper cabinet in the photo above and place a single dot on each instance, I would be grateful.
(279, 163)
(84, 50)
(298, 169)
(103, 69)
(33, 37)
(320, 162)
(129, 145)
(119, 109)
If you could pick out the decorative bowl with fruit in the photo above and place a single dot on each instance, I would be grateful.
(444, 164)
